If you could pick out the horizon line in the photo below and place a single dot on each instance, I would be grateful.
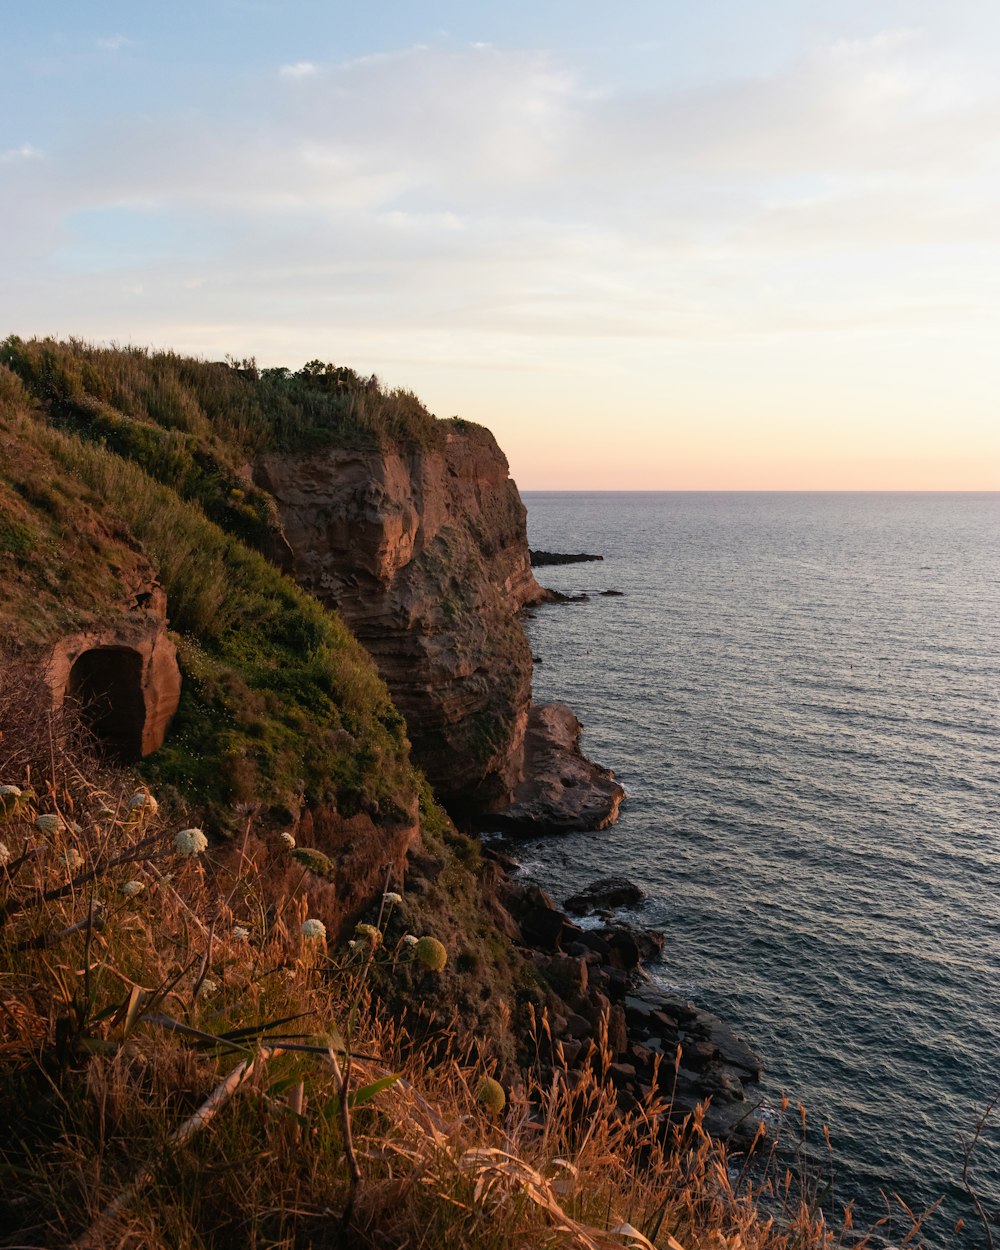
(754, 490)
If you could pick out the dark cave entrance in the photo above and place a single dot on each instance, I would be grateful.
(106, 683)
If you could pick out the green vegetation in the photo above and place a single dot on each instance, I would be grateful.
(279, 700)
(195, 425)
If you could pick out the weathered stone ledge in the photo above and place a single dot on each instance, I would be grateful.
(561, 790)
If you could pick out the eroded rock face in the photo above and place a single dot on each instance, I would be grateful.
(560, 790)
(123, 674)
(424, 553)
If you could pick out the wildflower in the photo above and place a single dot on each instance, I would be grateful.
(190, 842)
(10, 799)
(208, 986)
(129, 889)
(4, 854)
(286, 839)
(48, 824)
(73, 859)
(368, 933)
(240, 933)
(491, 1096)
(410, 939)
(391, 897)
(351, 944)
(142, 804)
(431, 953)
(314, 860)
(313, 929)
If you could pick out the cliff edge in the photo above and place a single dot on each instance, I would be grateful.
(423, 551)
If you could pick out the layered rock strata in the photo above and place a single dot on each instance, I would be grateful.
(423, 551)
(561, 790)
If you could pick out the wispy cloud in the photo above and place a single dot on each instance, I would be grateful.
(301, 69)
(113, 43)
(26, 152)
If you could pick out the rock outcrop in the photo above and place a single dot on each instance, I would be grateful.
(423, 551)
(615, 1019)
(123, 675)
(560, 790)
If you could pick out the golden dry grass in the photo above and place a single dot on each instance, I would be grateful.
(173, 1059)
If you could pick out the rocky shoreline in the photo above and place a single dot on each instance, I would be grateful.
(616, 1018)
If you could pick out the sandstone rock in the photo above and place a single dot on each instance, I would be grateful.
(562, 790)
(423, 551)
(123, 675)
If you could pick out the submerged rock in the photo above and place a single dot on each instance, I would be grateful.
(606, 892)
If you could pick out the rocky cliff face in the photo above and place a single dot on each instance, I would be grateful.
(423, 551)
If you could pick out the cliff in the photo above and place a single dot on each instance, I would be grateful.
(408, 528)
(423, 552)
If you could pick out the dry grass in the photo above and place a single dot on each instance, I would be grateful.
(174, 1056)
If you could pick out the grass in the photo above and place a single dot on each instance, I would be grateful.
(201, 1074)
(279, 700)
(195, 425)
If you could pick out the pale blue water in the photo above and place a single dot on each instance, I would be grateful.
(800, 695)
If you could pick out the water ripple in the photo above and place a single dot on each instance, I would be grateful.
(799, 693)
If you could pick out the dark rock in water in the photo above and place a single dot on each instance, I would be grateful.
(613, 594)
(538, 558)
(557, 596)
(629, 945)
(606, 892)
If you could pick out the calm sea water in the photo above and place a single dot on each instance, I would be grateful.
(800, 694)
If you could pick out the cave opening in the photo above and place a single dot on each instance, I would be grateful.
(106, 684)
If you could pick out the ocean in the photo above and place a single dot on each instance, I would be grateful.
(799, 693)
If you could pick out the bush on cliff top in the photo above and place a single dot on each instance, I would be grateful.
(194, 425)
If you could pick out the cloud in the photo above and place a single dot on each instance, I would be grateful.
(113, 43)
(301, 69)
(476, 191)
(26, 152)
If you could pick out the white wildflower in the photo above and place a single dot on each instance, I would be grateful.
(190, 842)
(240, 933)
(5, 856)
(73, 859)
(286, 839)
(313, 929)
(391, 897)
(351, 944)
(129, 889)
(48, 824)
(208, 986)
(142, 803)
(410, 939)
(10, 798)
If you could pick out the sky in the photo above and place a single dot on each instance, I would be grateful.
(658, 245)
